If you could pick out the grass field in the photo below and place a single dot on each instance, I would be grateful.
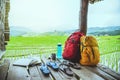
(109, 47)
(107, 44)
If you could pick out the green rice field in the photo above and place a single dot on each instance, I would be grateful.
(19, 46)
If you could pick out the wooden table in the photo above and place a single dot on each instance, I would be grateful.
(10, 72)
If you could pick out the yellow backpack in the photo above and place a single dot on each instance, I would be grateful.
(89, 51)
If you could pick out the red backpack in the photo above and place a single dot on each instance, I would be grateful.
(72, 47)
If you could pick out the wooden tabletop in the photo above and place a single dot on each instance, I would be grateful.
(99, 72)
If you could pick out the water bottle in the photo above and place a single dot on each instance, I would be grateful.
(59, 50)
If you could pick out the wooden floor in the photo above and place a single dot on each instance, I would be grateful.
(10, 72)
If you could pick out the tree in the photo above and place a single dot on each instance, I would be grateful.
(83, 14)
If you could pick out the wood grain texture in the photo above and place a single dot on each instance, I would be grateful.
(18, 73)
(4, 69)
(10, 72)
(109, 71)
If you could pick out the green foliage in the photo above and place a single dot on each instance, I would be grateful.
(39, 41)
(107, 44)
(23, 46)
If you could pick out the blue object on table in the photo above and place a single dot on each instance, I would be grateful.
(59, 50)
(45, 69)
(53, 65)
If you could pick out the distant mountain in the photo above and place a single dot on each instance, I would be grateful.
(110, 30)
(18, 31)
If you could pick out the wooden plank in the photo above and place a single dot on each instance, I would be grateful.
(4, 69)
(100, 73)
(58, 75)
(43, 77)
(109, 71)
(85, 74)
(55, 74)
(65, 76)
(34, 74)
(17, 73)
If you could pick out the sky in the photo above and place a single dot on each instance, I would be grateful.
(50, 15)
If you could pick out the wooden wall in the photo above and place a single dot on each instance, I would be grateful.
(4, 25)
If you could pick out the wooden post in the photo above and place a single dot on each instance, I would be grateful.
(83, 16)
